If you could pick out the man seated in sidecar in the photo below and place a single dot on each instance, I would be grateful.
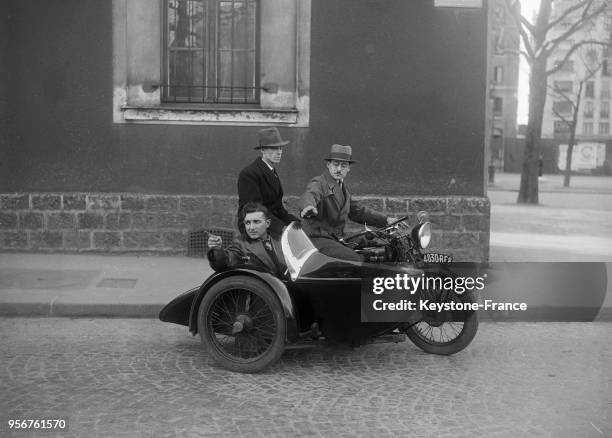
(256, 248)
(327, 205)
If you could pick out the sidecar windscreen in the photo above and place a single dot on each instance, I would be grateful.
(297, 248)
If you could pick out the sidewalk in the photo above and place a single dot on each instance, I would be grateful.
(71, 285)
(554, 183)
(94, 285)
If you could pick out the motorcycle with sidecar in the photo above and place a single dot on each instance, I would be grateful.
(246, 317)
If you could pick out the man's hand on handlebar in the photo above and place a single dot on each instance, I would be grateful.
(309, 211)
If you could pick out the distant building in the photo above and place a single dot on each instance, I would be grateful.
(593, 122)
(503, 74)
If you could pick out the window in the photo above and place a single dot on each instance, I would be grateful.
(605, 68)
(562, 107)
(211, 51)
(498, 106)
(212, 62)
(498, 74)
(565, 87)
(588, 110)
(500, 13)
(567, 66)
(589, 90)
(587, 128)
(604, 109)
(561, 127)
(605, 90)
(604, 128)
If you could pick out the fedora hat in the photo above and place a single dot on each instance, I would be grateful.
(269, 137)
(340, 152)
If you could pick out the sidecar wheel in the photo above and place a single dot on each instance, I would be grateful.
(445, 337)
(242, 325)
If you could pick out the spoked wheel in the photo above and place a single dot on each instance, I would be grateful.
(242, 325)
(444, 337)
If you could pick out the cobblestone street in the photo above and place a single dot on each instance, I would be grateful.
(140, 377)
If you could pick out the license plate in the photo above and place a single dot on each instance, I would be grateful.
(433, 257)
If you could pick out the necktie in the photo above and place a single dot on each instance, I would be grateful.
(340, 193)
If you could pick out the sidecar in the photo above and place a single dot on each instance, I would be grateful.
(246, 317)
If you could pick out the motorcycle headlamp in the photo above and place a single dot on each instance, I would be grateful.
(421, 234)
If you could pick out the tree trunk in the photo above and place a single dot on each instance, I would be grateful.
(572, 139)
(568, 158)
(528, 191)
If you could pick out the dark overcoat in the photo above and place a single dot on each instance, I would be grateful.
(332, 216)
(258, 183)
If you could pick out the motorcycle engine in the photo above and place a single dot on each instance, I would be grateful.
(374, 254)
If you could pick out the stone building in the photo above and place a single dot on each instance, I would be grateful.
(125, 122)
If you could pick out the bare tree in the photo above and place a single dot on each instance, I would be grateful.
(592, 60)
(539, 44)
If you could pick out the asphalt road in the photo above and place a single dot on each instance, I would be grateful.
(132, 378)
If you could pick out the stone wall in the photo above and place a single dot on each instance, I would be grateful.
(120, 223)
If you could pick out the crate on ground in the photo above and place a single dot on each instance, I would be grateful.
(197, 245)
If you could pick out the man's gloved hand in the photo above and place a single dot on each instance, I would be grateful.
(309, 211)
(214, 241)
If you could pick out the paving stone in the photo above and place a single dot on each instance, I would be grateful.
(141, 378)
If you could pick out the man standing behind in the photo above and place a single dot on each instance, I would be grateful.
(255, 249)
(259, 182)
(327, 204)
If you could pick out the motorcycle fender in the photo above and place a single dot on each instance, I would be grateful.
(275, 284)
(177, 310)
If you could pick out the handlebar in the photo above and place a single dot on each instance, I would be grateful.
(375, 230)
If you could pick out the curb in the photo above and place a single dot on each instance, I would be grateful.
(80, 310)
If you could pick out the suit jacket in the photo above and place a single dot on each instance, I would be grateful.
(331, 219)
(248, 253)
(257, 183)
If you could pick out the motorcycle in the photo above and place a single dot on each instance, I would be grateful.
(246, 317)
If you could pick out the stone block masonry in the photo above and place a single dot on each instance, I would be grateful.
(131, 222)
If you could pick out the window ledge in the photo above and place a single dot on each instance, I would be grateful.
(210, 116)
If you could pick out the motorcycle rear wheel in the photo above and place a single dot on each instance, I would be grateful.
(444, 338)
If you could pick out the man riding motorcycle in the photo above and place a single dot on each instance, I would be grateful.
(327, 205)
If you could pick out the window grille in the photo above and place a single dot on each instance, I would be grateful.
(604, 128)
(211, 53)
(587, 128)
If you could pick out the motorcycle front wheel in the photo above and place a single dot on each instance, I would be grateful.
(444, 338)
